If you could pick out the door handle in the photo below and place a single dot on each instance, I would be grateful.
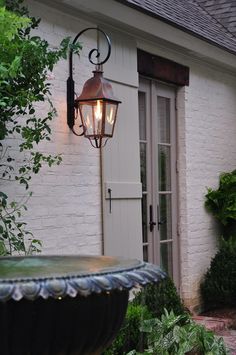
(109, 192)
(151, 222)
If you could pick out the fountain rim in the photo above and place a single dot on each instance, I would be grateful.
(134, 274)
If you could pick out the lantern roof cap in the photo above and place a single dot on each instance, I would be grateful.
(97, 88)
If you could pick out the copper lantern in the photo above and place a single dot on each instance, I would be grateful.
(97, 106)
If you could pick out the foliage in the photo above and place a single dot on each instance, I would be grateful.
(150, 302)
(179, 335)
(129, 336)
(222, 201)
(160, 296)
(24, 64)
(13, 230)
(219, 284)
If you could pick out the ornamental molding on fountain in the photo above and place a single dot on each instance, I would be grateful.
(83, 283)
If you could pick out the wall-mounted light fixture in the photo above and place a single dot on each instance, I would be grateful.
(96, 105)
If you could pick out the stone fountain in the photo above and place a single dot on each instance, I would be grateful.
(66, 305)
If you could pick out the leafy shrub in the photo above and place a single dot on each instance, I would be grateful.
(130, 336)
(169, 336)
(149, 303)
(158, 297)
(219, 285)
(222, 202)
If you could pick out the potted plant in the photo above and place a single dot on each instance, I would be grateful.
(222, 203)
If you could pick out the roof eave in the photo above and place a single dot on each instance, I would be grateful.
(173, 24)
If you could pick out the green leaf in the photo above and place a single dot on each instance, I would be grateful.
(3, 250)
(3, 195)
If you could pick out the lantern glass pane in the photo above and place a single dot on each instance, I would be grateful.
(87, 118)
(97, 107)
(110, 117)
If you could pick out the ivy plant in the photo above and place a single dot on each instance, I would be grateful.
(221, 202)
(25, 61)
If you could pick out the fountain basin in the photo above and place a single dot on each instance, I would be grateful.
(66, 305)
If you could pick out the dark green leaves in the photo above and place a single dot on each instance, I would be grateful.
(179, 335)
(218, 287)
(25, 61)
(14, 237)
(222, 201)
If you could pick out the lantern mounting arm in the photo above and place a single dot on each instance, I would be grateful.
(95, 50)
(70, 82)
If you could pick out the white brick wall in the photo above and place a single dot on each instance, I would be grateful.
(64, 211)
(207, 140)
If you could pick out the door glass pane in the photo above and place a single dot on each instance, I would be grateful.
(145, 253)
(143, 168)
(164, 168)
(144, 218)
(166, 258)
(165, 217)
(142, 115)
(163, 113)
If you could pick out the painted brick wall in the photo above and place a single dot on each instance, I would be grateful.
(207, 140)
(64, 211)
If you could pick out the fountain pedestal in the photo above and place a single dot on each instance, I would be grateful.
(66, 305)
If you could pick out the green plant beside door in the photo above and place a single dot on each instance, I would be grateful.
(218, 287)
(222, 203)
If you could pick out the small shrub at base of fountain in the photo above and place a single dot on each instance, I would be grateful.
(149, 303)
(178, 335)
(158, 297)
(130, 336)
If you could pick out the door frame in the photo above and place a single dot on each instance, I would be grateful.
(154, 88)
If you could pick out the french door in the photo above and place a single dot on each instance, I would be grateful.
(157, 133)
